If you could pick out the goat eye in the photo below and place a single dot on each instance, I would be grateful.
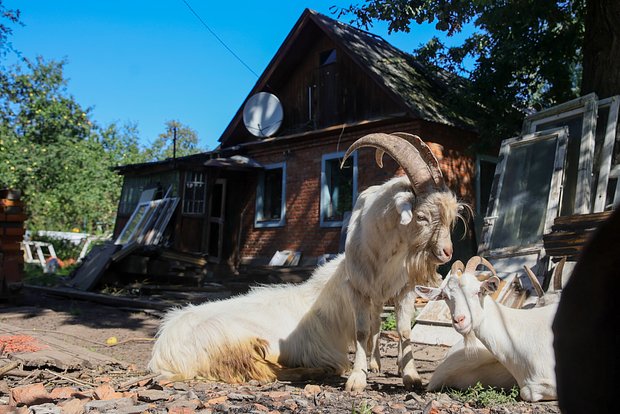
(422, 217)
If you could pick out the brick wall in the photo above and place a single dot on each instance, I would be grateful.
(302, 231)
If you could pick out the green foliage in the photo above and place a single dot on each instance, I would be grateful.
(480, 396)
(389, 324)
(34, 275)
(8, 17)
(50, 149)
(526, 54)
(163, 147)
(64, 249)
(363, 407)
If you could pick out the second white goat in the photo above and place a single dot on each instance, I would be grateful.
(520, 339)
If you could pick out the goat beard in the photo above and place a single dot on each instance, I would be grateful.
(470, 344)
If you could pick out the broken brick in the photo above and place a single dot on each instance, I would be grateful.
(33, 394)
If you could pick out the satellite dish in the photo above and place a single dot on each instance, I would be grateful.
(262, 114)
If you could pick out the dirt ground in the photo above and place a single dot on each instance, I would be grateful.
(90, 325)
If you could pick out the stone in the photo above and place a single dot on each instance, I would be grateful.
(62, 393)
(107, 405)
(32, 394)
(217, 400)
(8, 409)
(181, 410)
(106, 392)
(311, 390)
(153, 395)
(233, 396)
(47, 408)
(74, 406)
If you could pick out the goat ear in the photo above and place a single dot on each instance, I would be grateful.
(490, 285)
(429, 293)
(404, 208)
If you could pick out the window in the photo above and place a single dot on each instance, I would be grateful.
(338, 188)
(485, 171)
(592, 125)
(327, 57)
(271, 196)
(133, 186)
(195, 192)
(525, 198)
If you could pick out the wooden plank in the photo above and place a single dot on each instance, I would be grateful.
(57, 353)
(104, 299)
(94, 266)
(580, 221)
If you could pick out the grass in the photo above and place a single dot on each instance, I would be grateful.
(389, 324)
(34, 275)
(480, 396)
(363, 407)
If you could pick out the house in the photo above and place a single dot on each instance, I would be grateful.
(255, 195)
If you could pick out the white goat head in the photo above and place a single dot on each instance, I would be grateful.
(458, 288)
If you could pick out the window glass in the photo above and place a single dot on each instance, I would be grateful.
(524, 194)
(133, 186)
(270, 196)
(338, 188)
(195, 192)
(571, 170)
(327, 57)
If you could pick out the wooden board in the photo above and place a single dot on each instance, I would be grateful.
(57, 353)
(94, 266)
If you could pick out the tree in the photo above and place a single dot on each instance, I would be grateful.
(51, 150)
(164, 146)
(8, 17)
(601, 51)
(528, 54)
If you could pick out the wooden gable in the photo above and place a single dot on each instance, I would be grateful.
(319, 85)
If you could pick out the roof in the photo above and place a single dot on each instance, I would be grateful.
(423, 91)
(419, 91)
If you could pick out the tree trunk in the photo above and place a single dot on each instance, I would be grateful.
(601, 49)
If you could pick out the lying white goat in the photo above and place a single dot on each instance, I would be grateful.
(520, 339)
(261, 334)
(464, 367)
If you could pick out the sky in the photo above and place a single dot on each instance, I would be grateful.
(148, 62)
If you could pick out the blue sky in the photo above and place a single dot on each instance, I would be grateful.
(148, 62)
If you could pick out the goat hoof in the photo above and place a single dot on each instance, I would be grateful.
(412, 381)
(374, 366)
(356, 382)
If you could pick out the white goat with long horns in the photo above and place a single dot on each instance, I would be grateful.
(398, 234)
(520, 339)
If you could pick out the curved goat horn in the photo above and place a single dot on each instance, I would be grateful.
(457, 267)
(415, 158)
(557, 275)
(539, 290)
(476, 261)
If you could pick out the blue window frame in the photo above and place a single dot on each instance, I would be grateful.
(338, 188)
(271, 196)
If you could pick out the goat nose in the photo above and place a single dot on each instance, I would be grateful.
(447, 251)
(459, 318)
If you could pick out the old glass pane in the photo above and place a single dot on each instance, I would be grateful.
(569, 191)
(524, 195)
(272, 194)
(339, 191)
(599, 139)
